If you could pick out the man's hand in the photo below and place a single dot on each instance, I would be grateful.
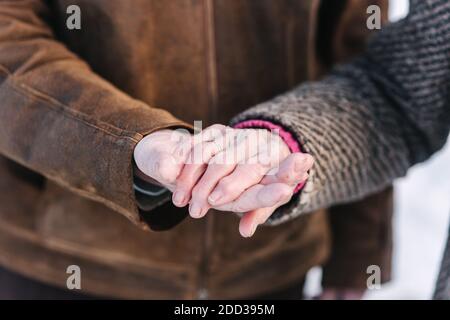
(162, 154)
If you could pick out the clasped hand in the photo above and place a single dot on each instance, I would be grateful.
(248, 171)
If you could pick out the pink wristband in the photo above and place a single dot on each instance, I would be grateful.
(287, 137)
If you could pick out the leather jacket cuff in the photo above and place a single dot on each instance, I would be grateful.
(150, 194)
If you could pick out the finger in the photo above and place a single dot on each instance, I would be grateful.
(214, 172)
(248, 173)
(185, 183)
(292, 170)
(219, 167)
(206, 145)
(161, 155)
(192, 171)
(164, 168)
(259, 196)
(211, 133)
(251, 220)
(243, 177)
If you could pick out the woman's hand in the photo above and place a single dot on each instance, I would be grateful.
(260, 201)
(161, 155)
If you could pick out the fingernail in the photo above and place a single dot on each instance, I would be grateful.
(214, 197)
(253, 230)
(299, 165)
(178, 197)
(309, 160)
(195, 210)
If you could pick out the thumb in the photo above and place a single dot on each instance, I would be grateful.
(161, 155)
(292, 170)
(164, 168)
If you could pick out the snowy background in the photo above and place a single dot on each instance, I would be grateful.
(420, 229)
(420, 224)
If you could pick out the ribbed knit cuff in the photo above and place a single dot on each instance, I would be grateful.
(287, 137)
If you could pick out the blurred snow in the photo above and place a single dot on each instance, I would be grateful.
(422, 214)
(420, 229)
(398, 9)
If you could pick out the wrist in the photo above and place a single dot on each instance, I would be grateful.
(287, 137)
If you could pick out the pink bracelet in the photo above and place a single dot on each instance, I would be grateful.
(287, 137)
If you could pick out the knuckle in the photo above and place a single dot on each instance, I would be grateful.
(226, 185)
(218, 126)
(265, 159)
(218, 159)
(262, 168)
(213, 130)
(207, 152)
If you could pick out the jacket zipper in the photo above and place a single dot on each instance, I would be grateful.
(204, 267)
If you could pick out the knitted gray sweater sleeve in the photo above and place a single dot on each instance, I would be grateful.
(370, 120)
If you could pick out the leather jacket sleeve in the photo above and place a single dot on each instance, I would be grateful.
(60, 119)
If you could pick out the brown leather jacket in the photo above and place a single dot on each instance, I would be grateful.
(74, 103)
